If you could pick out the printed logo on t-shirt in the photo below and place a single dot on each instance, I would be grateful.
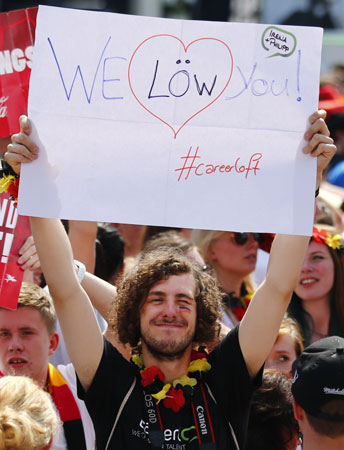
(174, 439)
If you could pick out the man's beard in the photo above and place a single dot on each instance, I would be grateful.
(166, 349)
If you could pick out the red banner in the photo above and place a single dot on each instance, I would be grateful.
(14, 230)
(17, 34)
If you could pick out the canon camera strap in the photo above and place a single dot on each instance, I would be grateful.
(201, 416)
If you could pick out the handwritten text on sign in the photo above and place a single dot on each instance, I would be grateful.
(172, 122)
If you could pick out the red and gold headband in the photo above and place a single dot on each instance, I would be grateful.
(333, 241)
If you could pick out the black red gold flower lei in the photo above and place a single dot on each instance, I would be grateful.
(174, 395)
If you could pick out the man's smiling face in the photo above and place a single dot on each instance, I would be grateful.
(168, 317)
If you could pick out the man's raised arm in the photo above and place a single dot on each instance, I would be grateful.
(79, 325)
(259, 327)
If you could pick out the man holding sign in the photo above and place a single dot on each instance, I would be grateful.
(171, 396)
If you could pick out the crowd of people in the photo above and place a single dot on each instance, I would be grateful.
(133, 337)
(164, 346)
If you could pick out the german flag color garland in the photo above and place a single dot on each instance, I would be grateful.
(9, 181)
(174, 395)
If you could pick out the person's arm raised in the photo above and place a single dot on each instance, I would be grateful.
(79, 325)
(259, 327)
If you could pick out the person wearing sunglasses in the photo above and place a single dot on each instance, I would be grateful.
(233, 257)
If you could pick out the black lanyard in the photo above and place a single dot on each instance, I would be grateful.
(201, 416)
(155, 433)
(204, 426)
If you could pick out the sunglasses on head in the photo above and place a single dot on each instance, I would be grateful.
(242, 238)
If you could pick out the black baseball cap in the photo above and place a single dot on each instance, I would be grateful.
(319, 377)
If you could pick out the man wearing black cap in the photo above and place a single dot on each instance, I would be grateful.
(318, 391)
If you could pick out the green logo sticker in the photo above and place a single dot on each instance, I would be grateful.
(189, 434)
(278, 42)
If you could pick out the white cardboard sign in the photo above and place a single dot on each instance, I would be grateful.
(169, 122)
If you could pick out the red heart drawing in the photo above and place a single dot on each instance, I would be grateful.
(225, 81)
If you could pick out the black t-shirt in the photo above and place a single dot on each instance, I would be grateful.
(228, 381)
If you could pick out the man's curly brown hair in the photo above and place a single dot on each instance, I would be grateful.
(155, 266)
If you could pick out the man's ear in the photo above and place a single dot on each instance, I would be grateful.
(54, 343)
(298, 411)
